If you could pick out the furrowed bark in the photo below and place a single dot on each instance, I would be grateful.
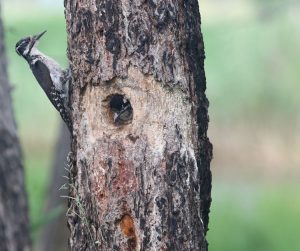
(14, 222)
(144, 184)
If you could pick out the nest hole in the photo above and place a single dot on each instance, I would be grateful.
(120, 109)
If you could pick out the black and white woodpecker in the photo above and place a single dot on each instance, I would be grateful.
(53, 80)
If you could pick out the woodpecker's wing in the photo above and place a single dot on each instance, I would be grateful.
(56, 97)
(42, 75)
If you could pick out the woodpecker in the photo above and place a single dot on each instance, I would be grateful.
(124, 114)
(53, 80)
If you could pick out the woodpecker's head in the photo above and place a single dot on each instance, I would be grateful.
(25, 45)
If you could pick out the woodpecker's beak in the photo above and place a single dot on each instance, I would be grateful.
(35, 38)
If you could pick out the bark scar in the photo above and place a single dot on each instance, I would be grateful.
(128, 229)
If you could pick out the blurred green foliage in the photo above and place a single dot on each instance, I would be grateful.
(252, 70)
(254, 216)
(36, 119)
(252, 67)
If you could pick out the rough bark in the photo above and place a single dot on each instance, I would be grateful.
(14, 223)
(144, 184)
(55, 234)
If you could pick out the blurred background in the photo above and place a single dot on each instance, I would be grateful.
(253, 70)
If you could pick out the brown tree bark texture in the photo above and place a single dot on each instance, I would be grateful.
(144, 185)
(14, 222)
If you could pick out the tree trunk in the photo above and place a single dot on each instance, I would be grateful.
(140, 179)
(14, 223)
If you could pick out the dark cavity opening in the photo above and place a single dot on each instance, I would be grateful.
(121, 109)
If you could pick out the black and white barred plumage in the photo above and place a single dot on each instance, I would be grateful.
(53, 80)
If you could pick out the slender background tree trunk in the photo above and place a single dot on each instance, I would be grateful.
(14, 223)
(142, 184)
(54, 235)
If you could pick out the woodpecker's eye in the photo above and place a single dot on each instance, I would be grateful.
(23, 42)
(21, 45)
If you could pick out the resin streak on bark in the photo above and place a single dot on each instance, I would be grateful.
(144, 185)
